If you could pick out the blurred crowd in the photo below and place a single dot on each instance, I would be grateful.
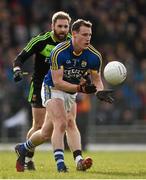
(119, 33)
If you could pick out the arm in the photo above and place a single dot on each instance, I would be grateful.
(103, 95)
(96, 80)
(95, 66)
(28, 51)
(21, 58)
(60, 84)
(18, 62)
(17, 65)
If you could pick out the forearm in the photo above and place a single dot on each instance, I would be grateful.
(17, 65)
(20, 59)
(99, 85)
(66, 86)
(97, 81)
(60, 84)
(17, 62)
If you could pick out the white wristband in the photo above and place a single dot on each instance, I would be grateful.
(16, 68)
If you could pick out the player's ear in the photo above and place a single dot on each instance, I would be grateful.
(52, 26)
(74, 33)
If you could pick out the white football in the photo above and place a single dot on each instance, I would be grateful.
(115, 72)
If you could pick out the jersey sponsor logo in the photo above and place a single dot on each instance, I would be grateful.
(83, 63)
(73, 73)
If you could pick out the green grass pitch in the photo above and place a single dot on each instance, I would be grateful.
(107, 165)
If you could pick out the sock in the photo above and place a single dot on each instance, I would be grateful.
(29, 156)
(77, 156)
(29, 145)
(59, 158)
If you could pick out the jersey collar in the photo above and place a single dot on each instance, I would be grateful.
(74, 53)
(53, 37)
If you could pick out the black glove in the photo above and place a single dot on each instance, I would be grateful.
(87, 78)
(17, 75)
(105, 95)
(86, 88)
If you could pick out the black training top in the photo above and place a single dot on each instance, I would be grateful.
(40, 46)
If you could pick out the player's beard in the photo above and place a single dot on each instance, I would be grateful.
(60, 36)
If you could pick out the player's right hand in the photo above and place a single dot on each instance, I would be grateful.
(86, 88)
(17, 74)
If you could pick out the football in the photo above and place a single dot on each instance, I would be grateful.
(115, 72)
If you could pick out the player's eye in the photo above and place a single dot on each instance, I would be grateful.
(86, 34)
(65, 26)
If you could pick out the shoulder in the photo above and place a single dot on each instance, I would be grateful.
(41, 36)
(61, 47)
(37, 40)
(60, 51)
(95, 58)
(94, 52)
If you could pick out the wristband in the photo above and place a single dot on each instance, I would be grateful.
(16, 68)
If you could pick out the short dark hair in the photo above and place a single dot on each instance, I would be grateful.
(80, 22)
(60, 15)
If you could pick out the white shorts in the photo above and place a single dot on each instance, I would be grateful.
(47, 94)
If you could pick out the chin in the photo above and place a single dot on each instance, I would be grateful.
(62, 38)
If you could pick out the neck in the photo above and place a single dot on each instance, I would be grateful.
(77, 50)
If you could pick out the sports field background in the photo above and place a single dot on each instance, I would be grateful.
(107, 165)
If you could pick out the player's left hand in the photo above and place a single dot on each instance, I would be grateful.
(87, 78)
(105, 95)
(86, 88)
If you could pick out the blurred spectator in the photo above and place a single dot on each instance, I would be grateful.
(83, 109)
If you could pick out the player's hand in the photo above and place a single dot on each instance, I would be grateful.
(87, 78)
(105, 95)
(86, 88)
(17, 74)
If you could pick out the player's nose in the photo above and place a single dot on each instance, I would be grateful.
(63, 29)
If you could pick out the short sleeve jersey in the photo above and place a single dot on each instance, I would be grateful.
(74, 66)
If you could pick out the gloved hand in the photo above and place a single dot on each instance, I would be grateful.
(86, 88)
(87, 78)
(17, 74)
(105, 95)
